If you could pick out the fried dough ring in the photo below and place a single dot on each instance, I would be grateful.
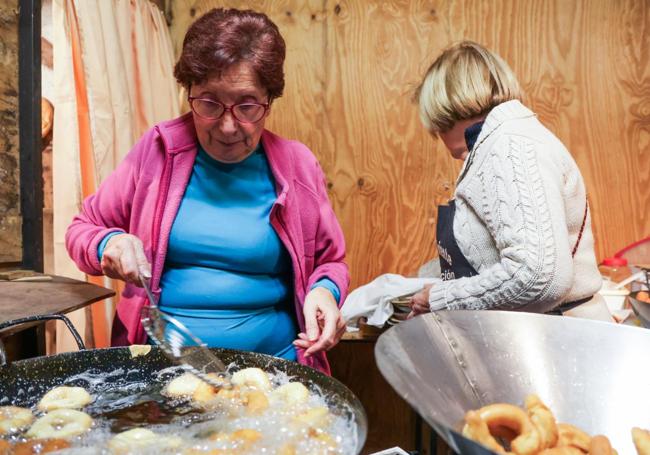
(182, 386)
(504, 433)
(641, 439)
(5, 447)
(317, 417)
(477, 430)
(528, 441)
(291, 394)
(60, 423)
(600, 445)
(252, 377)
(562, 451)
(36, 446)
(287, 449)
(208, 397)
(571, 436)
(13, 419)
(327, 444)
(543, 420)
(204, 393)
(64, 397)
(139, 438)
(242, 439)
(135, 438)
(256, 401)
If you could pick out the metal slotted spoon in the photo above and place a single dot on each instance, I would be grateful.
(179, 344)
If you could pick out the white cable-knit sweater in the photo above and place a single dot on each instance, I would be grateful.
(520, 204)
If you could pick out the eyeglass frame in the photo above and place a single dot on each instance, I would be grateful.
(227, 108)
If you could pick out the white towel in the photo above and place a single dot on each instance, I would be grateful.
(372, 300)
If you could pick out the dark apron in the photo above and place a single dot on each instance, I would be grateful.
(453, 264)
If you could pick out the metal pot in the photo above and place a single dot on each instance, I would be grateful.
(592, 374)
(22, 383)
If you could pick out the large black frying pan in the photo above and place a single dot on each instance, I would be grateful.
(22, 383)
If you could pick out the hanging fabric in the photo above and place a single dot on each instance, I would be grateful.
(112, 81)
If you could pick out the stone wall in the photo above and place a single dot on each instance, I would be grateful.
(10, 219)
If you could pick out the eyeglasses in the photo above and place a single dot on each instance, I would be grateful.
(214, 110)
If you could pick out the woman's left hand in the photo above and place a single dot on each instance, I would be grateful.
(420, 302)
(324, 325)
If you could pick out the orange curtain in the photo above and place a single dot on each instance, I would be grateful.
(112, 58)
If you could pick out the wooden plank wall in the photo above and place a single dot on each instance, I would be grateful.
(352, 66)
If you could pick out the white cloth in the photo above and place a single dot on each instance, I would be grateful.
(373, 299)
(595, 309)
(520, 205)
(392, 451)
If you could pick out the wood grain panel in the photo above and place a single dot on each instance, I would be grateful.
(352, 65)
(388, 175)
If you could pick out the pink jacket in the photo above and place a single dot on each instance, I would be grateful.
(142, 197)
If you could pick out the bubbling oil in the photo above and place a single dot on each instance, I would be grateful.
(121, 403)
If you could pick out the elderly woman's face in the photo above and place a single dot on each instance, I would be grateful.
(227, 139)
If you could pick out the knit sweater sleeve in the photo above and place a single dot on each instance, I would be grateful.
(516, 193)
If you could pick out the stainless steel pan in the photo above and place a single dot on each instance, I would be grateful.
(592, 374)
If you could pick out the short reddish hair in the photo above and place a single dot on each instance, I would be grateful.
(223, 37)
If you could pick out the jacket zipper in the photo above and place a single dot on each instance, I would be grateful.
(158, 214)
(288, 244)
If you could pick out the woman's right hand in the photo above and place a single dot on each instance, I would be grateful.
(420, 302)
(124, 259)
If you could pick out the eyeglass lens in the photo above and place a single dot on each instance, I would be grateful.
(244, 112)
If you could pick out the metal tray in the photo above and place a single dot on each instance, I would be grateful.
(592, 374)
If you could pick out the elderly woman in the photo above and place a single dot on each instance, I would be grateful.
(517, 235)
(231, 222)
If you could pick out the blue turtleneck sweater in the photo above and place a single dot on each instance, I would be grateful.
(227, 275)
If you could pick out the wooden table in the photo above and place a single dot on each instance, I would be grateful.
(391, 422)
(22, 299)
(25, 299)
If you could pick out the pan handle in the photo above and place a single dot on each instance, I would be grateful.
(42, 317)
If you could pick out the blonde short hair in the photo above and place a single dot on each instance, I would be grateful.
(465, 81)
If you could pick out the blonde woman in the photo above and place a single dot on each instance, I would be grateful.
(517, 235)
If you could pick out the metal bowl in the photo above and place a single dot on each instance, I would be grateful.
(592, 374)
(641, 308)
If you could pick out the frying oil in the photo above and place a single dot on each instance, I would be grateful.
(121, 404)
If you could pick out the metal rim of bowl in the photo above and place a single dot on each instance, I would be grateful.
(636, 304)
